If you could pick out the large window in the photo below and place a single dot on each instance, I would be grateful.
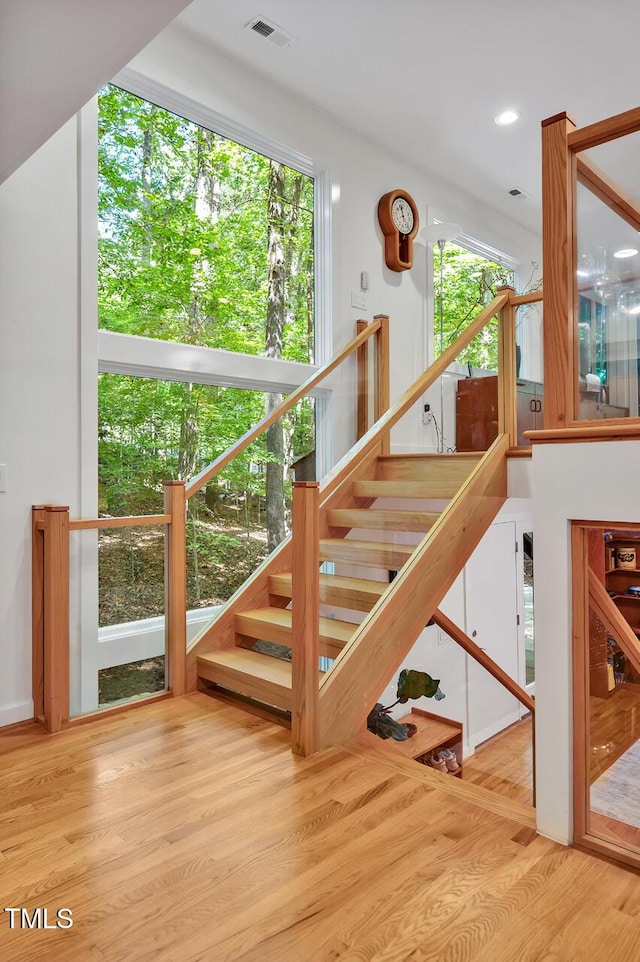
(201, 240)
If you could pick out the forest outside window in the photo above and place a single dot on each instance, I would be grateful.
(201, 240)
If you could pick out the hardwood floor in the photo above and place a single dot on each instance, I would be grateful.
(186, 831)
(503, 764)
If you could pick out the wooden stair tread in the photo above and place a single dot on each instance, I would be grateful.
(425, 488)
(251, 673)
(384, 519)
(274, 624)
(376, 554)
(360, 594)
(453, 469)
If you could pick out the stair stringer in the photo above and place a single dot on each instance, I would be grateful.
(352, 685)
(254, 593)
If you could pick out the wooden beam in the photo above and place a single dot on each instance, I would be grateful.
(559, 258)
(507, 409)
(56, 618)
(484, 660)
(516, 300)
(603, 131)
(610, 430)
(581, 679)
(38, 519)
(175, 586)
(616, 623)
(608, 192)
(305, 617)
(382, 391)
(362, 418)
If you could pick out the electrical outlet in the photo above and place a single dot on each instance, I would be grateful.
(427, 414)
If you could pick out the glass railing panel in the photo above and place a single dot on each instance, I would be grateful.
(608, 286)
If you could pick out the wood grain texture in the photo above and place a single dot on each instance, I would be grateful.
(175, 586)
(253, 674)
(359, 594)
(612, 430)
(38, 518)
(305, 628)
(362, 416)
(276, 625)
(132, 521)
(559, 257)
(187, 831)
(56, 619)
(603, 131)
(581, 681)
(426, 488)
(354, 681)
(483, 659)
(383, 520)
(619, 627)
(373, 554)
(382, 394)
(507, 409)
(606, 190)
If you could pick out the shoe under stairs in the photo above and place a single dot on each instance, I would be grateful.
(375, 522)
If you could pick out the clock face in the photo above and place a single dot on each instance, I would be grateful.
(402, 215)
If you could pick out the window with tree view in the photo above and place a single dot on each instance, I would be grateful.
(469, 282)
(201, 240)
(205, 242)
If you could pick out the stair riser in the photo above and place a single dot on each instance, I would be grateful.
(453, 469)
(261, 690)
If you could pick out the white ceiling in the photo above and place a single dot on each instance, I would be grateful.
(428, 78)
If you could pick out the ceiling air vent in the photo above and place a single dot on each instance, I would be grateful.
(270, 31)
(516, 192)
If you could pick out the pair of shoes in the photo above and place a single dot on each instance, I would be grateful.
(450, 759)
(438, 763)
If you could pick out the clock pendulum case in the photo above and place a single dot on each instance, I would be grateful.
(398, 218)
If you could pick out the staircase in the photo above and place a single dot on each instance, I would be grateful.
(403, 513)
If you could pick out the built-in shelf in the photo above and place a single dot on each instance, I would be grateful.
(434, 732)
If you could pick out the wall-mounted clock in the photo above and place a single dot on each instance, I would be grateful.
(398, 217)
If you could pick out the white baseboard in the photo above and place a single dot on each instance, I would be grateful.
(11, 714)
(139, 640)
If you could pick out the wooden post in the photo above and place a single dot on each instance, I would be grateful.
(559, 177)
(38, 519)
(305, 617)
(363, 384)
(175, 586)
(507, 404)
(382, 395)
(55, 619)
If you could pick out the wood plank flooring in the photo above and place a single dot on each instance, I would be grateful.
(503, 764)
(185, 831)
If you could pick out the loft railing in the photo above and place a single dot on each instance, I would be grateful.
(564, 166)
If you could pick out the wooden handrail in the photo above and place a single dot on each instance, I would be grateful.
(608, 192)
(375, 435)
(517, 299)
(130, 521)
(253, 433)
(603, 131)
(483, 659)
(616, 623)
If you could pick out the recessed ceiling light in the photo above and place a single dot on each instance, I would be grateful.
(507, 117)
(625, 252)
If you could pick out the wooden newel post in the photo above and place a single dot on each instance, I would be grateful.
(507, 372)
(305, 617)
(362, 419)
(382, 394)
(175, 586)
(55, 618)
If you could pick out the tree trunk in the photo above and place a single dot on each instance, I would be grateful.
(275, 514)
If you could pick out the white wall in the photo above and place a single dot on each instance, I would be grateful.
(588, 482)
(42, 418)
(39, 390)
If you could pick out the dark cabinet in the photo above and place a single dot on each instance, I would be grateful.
(477, 411)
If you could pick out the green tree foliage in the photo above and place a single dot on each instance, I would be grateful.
(470, 283)
(184, 233)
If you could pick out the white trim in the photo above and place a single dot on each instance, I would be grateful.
(171, 361)
(18, 712)
(137, 640)
(84, 545)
